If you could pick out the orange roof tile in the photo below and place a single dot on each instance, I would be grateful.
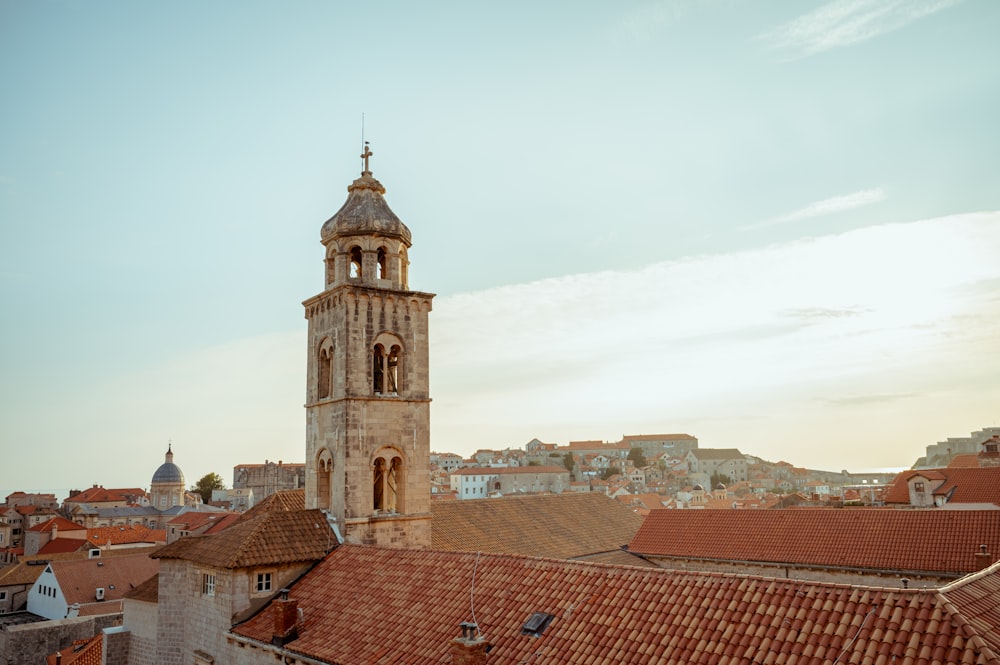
(562, 526)
(79, 578)
(148, 591)
(961, 485)
(82, 652)
(406, 605)
(60, 545)
(940, 542)
(970, 460)
(123, 535)
(61, 523)
(265, 537)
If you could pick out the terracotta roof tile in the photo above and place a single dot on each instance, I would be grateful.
(61, 523)
(284, 500)
(124, 535)
(60, 545)
(265, 537)
(148, 591)
(960, 485)
(561, 526)
(930, 541)
(81, 652)
(407, 605)
(29, 568)
(79, 578)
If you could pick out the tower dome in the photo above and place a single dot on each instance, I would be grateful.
(168, 472)
(365, 212)
(167, 487)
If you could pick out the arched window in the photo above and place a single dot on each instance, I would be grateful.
(380, 266)
(324, 369)
(324, 471)
(387, 482)
(387, 365)
(378, 370)
(355, 262)
(391, 370)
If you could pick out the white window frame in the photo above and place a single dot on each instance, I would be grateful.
(208, 584)
(264, 582)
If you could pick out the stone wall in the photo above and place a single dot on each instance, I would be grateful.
(141, 621)
(31, 643)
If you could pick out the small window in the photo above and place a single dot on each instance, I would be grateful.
(263, 582)
(208, 584)
(3, 595)
(918, 487)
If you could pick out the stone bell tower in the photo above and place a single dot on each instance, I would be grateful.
(367, 393)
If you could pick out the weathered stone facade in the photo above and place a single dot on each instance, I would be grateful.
(367, 396)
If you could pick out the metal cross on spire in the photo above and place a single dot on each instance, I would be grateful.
(365, 155)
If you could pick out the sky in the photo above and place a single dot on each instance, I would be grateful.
(773, 225)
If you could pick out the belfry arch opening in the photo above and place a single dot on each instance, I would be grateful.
(388, 473)
(324, 369)
(387, 361)
(380, 264)
(356, 262)
(324, 473)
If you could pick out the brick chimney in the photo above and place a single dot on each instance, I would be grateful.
(983, 558)
(286, 620)
(470, 648)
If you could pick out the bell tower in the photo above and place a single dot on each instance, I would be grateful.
(367, 393)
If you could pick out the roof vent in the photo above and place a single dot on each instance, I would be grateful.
(100, 593)
(536, 624)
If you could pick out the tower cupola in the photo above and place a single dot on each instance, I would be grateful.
(366, 243)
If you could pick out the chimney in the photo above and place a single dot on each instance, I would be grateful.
(983, 558)
(286, 619)
(470, 648)
(55, 530)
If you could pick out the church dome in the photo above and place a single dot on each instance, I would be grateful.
(365, 212)
(168, 472)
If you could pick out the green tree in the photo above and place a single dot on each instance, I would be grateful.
(207, 483)
(638, 459)
(721, 478)
(569, 462)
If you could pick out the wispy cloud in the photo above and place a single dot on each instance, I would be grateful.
(836, 320)
(828, 206)
(846, 22)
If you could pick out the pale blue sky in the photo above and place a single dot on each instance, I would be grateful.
(639, 217)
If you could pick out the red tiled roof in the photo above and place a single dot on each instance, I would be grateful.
(80, 578)
(82, 652)
(284, 500)
(123, 535)
(372, 605)
(96, 495)
(961, 485)
(898, 540)
(60, 545)
(266, 537)
(970, 460)
(561, 526)
(148, 591)
(61, 523)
